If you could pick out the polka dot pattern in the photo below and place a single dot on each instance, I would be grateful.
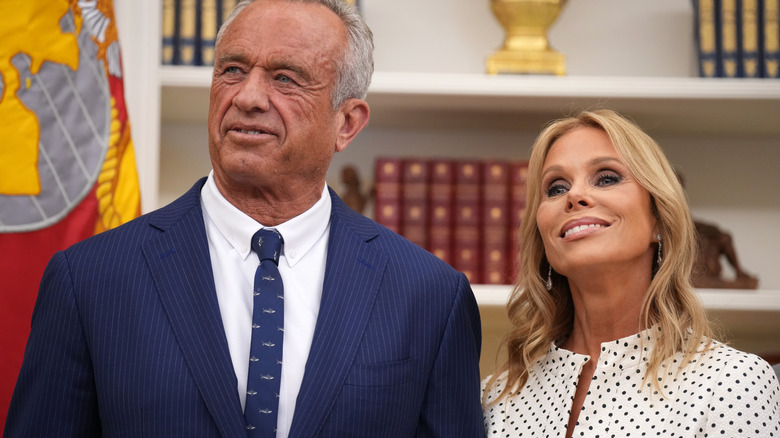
(724, 393)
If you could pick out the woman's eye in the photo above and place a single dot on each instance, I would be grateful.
(555, 190)
(607, 179)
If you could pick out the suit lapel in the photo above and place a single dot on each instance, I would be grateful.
(180, 265)
(353, 274)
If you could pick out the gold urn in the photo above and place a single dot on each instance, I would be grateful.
(526, 49)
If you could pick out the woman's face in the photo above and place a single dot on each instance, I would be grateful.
(593, 214)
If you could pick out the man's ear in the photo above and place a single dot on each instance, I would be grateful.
(354, 114)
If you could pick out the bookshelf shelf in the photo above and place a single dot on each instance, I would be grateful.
(662, 104)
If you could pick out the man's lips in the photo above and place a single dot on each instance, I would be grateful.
(583, 224)
(250, 130)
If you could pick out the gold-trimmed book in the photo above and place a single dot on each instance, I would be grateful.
(706, 36)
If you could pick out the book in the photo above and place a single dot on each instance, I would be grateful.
(770, 37)
(387, 192)
(186, 36)
(729, 39)
(466, 228)
(208, 31)
(518, 176)
(414, 200)
(749, 31)
(440, 196)
(168, 30)
(495, 222)
(706, 37)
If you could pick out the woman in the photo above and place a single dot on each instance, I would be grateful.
(609, 338)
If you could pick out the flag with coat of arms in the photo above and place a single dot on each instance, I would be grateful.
(67, 165)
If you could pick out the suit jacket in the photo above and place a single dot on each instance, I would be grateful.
(127, 339)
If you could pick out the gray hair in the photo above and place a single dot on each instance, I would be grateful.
(357, 63)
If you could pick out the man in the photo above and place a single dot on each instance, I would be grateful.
(149, 330)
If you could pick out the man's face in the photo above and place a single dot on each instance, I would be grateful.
(271, 125)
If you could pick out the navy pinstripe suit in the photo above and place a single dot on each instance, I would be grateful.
(127, 339)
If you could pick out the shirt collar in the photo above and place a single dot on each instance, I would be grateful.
(300, 233)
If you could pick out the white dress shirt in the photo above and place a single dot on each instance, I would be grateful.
(302, 266)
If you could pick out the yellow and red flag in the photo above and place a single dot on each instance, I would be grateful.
(67, 166)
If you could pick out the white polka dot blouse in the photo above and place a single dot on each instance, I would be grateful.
(724, 393)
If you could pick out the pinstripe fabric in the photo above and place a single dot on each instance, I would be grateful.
(127, 339)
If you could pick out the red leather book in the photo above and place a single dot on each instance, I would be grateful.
(467, 225)
(414, 200)
(495, 222)
(387, 192)
(440, 214)
(518, 172)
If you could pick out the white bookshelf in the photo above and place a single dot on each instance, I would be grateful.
(429, 97)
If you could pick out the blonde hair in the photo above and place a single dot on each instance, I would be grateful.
(540, 317)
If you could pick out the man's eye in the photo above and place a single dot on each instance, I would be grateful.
(284, 79)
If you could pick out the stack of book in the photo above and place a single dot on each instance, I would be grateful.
(737, 38)
(189, 29)
(466, 212)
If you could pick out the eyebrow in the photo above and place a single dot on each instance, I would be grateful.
(594, 162)
(230, 57)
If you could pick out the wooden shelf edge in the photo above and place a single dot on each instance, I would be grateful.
(764, 300)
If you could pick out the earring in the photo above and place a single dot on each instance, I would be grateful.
(548, 285)
(660, 258)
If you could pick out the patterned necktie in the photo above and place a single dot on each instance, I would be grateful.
(265, 354)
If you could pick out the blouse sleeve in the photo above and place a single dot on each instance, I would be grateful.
(745, 399)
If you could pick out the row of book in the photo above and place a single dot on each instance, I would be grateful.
(466, 212)
(737, 38)
(189, 29)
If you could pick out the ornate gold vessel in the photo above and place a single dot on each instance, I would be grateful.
(526, 49)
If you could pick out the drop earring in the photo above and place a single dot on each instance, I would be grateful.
(660, 257)
(548, 285)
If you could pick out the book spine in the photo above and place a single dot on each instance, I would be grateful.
(770, 65)
(220, 13)
(466, 231)
(198, 50)
(187, 35)
(706, 37)
(176, 32)
(495, 222)
(440, 197)
(208, 29)
(729, 39)
(749, 26)
(414, 201)
(168, 28)
(387, 192)
(518, 175)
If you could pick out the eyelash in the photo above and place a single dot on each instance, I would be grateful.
(599, 182)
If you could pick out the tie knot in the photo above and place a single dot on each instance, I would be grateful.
(267, 243)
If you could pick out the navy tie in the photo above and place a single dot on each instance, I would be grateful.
(265, 353)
